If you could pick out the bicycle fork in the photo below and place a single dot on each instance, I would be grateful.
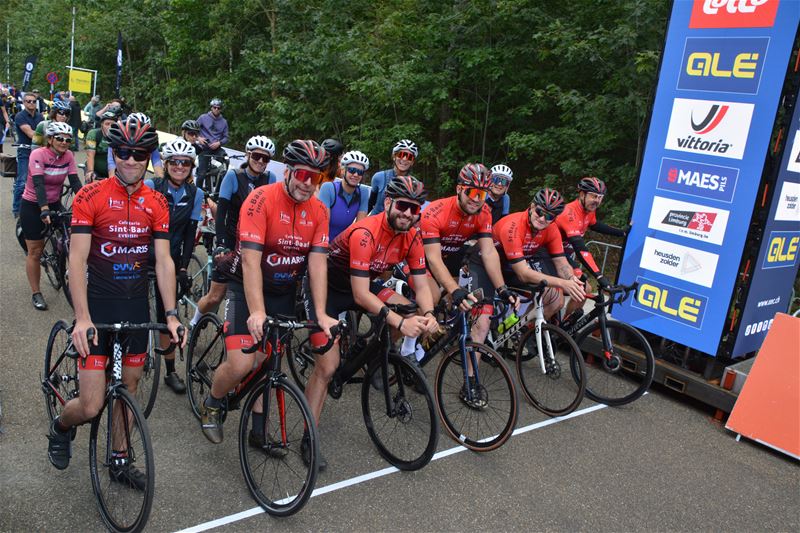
(538, 321)
(472, 362)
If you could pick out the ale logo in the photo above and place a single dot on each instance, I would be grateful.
(733, 13)
(723, 64)
(782, 249)
(670, 302)
(698, 179)
(709, 127)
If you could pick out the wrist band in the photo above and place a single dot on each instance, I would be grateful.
(400, 325)
(429, 312)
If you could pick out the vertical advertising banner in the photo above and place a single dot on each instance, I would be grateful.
(30, 64)
(721, 77)
(776, 267)
(118, 83)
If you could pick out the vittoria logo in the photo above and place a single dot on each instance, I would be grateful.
(708, 127)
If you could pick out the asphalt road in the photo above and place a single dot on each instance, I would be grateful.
(660, 464)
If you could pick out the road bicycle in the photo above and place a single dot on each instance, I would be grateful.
(119, 439)
(200, 274)
(275, 473)
(55, 255)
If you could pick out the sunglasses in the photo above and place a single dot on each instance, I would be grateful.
(180, 162)
(259, 158)
(305, 176)
(30, 101)
(500, 180)
(62, 139)
(215, 107)
(137, 155)
(476, 194)
(548, 216)
(403, 206)
(62, 112)
(192, 133)
(408, 156)
(356, 171)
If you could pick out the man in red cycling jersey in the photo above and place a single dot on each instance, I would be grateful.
(358, 256)
(579, 216)
(283, 230)
(114, 223)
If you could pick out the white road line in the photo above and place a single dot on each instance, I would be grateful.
(380, 473)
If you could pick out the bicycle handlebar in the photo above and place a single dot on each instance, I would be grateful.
(272, 322)
(146, 326)
(617, 294)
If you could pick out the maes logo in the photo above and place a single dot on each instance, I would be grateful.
(670, 302)
(733, 13)
(782, 249)
(723, 64)
(708, 127)
(698, 179)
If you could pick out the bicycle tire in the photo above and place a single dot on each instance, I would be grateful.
(63, 270)
(114, 498)
(49, 261)
(197, 273)
(479, 430)
(277, 477)
(417, 414)
(60, 379)
(555, 392)
(617, 378)
(206, 352)
(300, 360)
(147, 389)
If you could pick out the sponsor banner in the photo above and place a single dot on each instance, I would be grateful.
(782, 249)
(734, 13)
(793, 164)
(709, 127)
(723, 64)
(789, 203)
(672, 303)
(680, 262)
(697, 179)
(698, 222)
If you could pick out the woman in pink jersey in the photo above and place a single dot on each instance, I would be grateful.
(48, 168)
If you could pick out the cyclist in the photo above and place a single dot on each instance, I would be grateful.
(283, 230)
(578, 216)
(97, 148)
(234, 189)
(155, 155)
(185, 202)
(404, 154)
(357, 257)
(49, 167)
(213, 134)
(346, 199)
(25, 122)
(115, 222)
(190, 132)
(334, 148)
(530, 251)
(59, 112)
(498, 200)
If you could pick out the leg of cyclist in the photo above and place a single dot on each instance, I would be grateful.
(171, 379)
(211, 300)
(34, 229)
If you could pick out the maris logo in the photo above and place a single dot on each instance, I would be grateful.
(109, 250)
(690, 220)
(281, 260)
(733, 13)
(782, 249)
(670, 302)
(726, 64)
(712, 128)
(697, 179)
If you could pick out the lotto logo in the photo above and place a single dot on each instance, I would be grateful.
(733, 13)
(723, 64)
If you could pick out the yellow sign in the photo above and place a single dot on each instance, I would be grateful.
(80, 81)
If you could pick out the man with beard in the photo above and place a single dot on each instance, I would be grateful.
(358, 256)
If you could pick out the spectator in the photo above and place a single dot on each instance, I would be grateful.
(25, 122)
(213, 134)
(41, 105)
(74, 121)
(91, 110)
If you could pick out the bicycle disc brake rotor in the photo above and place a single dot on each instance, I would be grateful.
(612, 362)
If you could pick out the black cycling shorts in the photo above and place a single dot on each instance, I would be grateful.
(30, 217)
(134, 344)
(237, 336)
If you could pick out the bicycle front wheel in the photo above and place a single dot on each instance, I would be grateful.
(49, 261)
(300, 360)
(147, 390)
(60, 380)
(121, 464)
(617, 374)
(406, 431)
(206, 352)
(273, 466)
(197, 273)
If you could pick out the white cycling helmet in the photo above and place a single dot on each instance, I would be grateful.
(355, 157)
(58, 128)
(502, 170)
(177, 148)
(140, 117)
(407, 146)
(260, 142)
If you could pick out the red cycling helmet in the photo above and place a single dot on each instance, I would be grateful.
(592, 184)
(549, 200)
(475, 175)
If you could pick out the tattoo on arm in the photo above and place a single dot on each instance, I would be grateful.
(565, 271)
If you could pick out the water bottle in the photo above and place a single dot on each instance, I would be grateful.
(509, 321)
(432, 338)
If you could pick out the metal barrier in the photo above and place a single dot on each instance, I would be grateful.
(606, 246)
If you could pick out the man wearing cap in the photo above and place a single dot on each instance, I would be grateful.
(213, 134)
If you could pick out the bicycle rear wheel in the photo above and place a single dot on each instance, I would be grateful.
(63, 271)
(60, 380)
(621, 374)
(479, 429)
(197, 273)
(300, 360)
(147, 389)
(406, 436)
(49, 261)
(206, 352)
(554, 391)
(275, 473)
(120, 445)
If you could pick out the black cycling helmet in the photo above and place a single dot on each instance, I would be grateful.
(333, 147)
(190, 125)
(133, 134)
(549, 200)
(406, 187)
(306, 152)
(475, 175)
(592, 184)
(109, 115)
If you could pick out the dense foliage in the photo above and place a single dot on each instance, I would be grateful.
(557, 90)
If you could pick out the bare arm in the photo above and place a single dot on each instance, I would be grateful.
(254, 291)
(165, 274)
(435, 263)
(491, 261)
(79, 246)
(318, 280)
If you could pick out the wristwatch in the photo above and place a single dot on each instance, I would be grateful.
(172, 312)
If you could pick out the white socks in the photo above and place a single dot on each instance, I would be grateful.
(195, 318)
(409, 346)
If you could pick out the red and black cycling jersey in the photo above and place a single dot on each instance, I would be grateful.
(516, 241)
(122, 228)
(573, 223)
(444, 222)
(370, 247)
(283, 230)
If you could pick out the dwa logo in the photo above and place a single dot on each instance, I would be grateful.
(708, 127)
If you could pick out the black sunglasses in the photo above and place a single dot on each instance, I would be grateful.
(548, 216)
(403, 206)
(137, 155)
(356, 171)
(260, 158)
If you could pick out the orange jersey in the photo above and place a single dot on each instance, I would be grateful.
(444, 222)
(516, 241)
